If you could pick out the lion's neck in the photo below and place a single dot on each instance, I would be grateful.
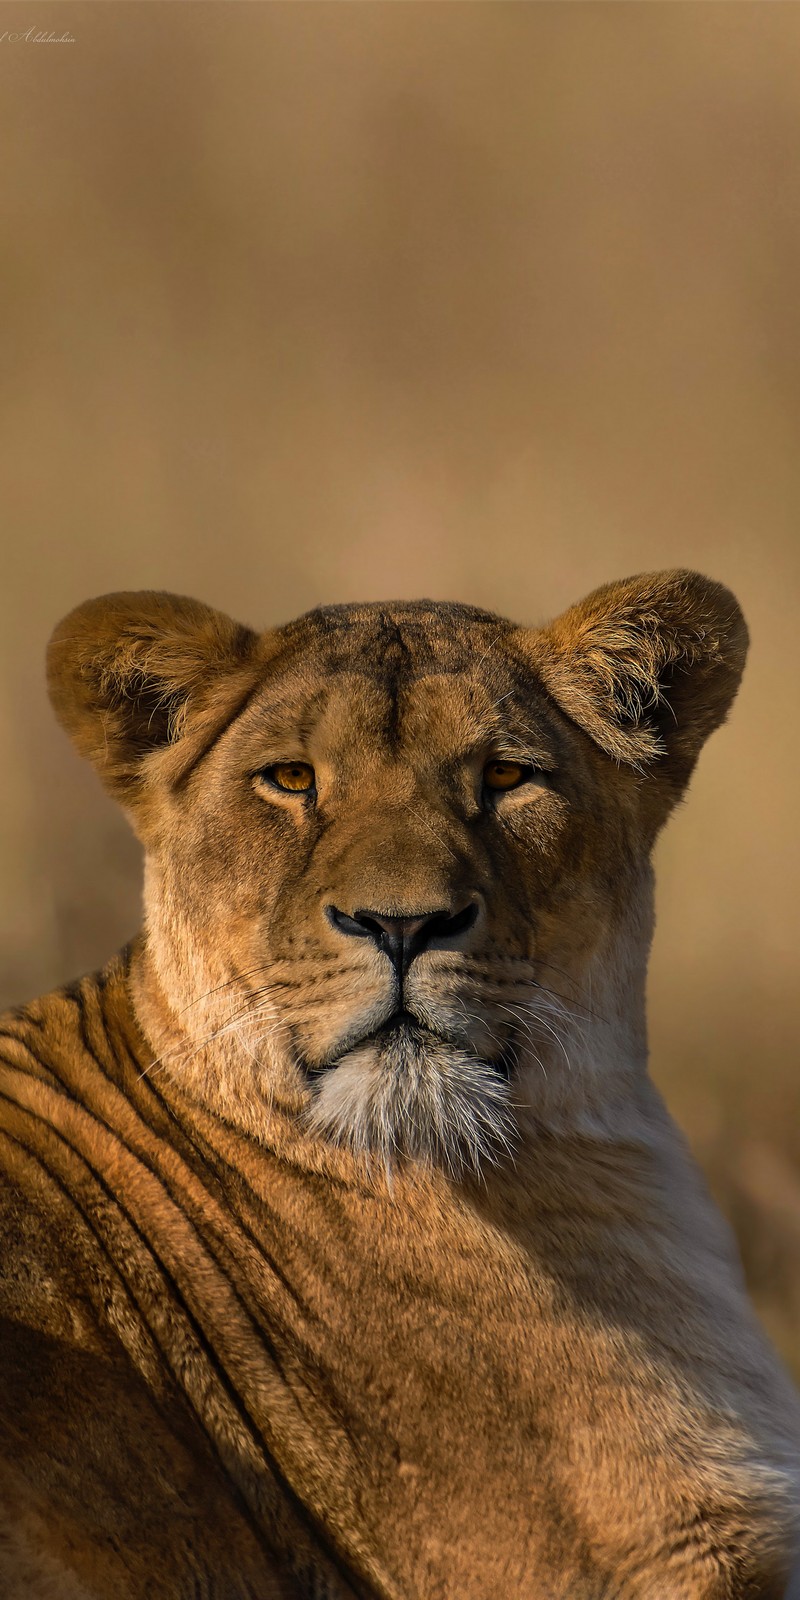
(198, 1041)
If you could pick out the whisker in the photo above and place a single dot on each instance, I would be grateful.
(536, 1016)
(238, 977)
(483, 657)
(539, 962)
(559, 1041)
(185, 1055)
(432, 831)
(530, 1038)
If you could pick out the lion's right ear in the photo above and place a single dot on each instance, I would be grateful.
(129, 674)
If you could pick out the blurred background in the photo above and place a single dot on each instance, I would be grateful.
(490, 302)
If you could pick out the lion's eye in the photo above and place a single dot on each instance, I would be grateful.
(505, 774)
(296, 776)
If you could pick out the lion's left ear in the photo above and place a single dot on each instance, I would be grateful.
(648, 667)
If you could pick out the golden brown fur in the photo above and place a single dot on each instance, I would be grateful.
(323, 1281)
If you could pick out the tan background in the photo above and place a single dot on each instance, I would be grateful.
(492, 302)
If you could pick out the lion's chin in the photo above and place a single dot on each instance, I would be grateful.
(408, 1095)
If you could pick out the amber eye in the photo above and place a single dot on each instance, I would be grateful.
(505, 774)
(296, 776)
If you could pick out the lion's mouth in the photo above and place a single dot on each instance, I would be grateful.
(401, 1022)
(408, 1031)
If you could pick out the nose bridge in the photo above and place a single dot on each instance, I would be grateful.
(402, 857)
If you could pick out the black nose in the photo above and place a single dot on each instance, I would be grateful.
(402, 938)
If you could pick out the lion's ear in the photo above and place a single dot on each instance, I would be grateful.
(128, 672)
(648, 667)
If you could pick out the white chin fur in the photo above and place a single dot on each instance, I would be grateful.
(414, 1097)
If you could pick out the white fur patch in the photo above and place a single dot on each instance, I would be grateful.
(412, 1095)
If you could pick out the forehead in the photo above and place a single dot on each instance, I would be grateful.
(398, 640)
(396, 674)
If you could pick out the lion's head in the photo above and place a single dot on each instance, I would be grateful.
(398, 854)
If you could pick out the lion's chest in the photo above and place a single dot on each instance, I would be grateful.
(430, 1399)
(447, 1392)
(401, 1389)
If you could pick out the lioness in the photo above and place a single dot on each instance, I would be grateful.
(347, 1248)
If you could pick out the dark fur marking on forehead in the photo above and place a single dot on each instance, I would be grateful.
(397, 663)
(383, 641)
(425, 613)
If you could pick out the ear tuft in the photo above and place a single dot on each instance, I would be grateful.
(125, 671)
(648, 666)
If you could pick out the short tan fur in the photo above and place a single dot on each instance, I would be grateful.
(347, 1248)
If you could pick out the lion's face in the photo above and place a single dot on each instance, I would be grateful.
(389, 874)
(407, 932)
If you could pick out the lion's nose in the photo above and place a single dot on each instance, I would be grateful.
(403, 938)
